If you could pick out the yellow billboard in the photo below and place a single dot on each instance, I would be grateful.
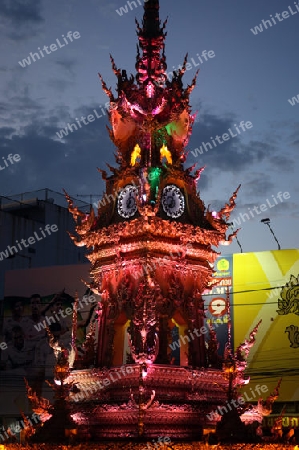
(266, 287)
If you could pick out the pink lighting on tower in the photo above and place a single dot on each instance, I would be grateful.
(150, 90)
(147, 291)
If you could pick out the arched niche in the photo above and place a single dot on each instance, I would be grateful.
(121, 349)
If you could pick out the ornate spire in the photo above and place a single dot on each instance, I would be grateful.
(151, 20)
(151, 65)
(150, 116)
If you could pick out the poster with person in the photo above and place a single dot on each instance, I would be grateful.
(28, 326)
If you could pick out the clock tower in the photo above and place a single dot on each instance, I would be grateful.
(151, 252)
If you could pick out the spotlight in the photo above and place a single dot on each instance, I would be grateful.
(267, 222)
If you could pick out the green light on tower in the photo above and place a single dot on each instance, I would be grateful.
(154, 174)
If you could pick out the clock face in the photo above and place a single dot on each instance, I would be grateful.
(126, 204)
(173, 201)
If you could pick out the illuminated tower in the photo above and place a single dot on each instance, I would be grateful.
(150, 248)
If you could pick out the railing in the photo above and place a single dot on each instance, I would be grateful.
(26, 199)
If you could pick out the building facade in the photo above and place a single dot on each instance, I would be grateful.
(26, 237)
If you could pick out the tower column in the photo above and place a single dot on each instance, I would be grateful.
(197, 349)
(104, 332)
(163, 341)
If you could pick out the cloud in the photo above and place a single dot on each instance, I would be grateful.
(232, 155)
(275, 209)
(21, 17)
(46, 161)
(282, 162)
(259, 160)
(294, 137)
(21, 10)
(20, 109)
(107, 9)
(258, 185)
(67, 64)
(6, 132)
(59, 84)
(71, 163)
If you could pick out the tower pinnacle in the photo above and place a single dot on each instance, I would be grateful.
(151, 21)
(151, 65)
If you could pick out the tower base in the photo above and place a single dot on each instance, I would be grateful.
(119, 403)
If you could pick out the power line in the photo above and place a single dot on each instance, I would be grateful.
(246, 292)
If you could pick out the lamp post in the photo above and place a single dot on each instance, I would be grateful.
(267, 222)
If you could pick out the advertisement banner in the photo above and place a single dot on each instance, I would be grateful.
(37, 299)
(266, 287)
(218, 300)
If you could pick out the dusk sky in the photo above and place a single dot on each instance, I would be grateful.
(250, 78)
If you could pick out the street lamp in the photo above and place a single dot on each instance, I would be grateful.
(267, 222)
